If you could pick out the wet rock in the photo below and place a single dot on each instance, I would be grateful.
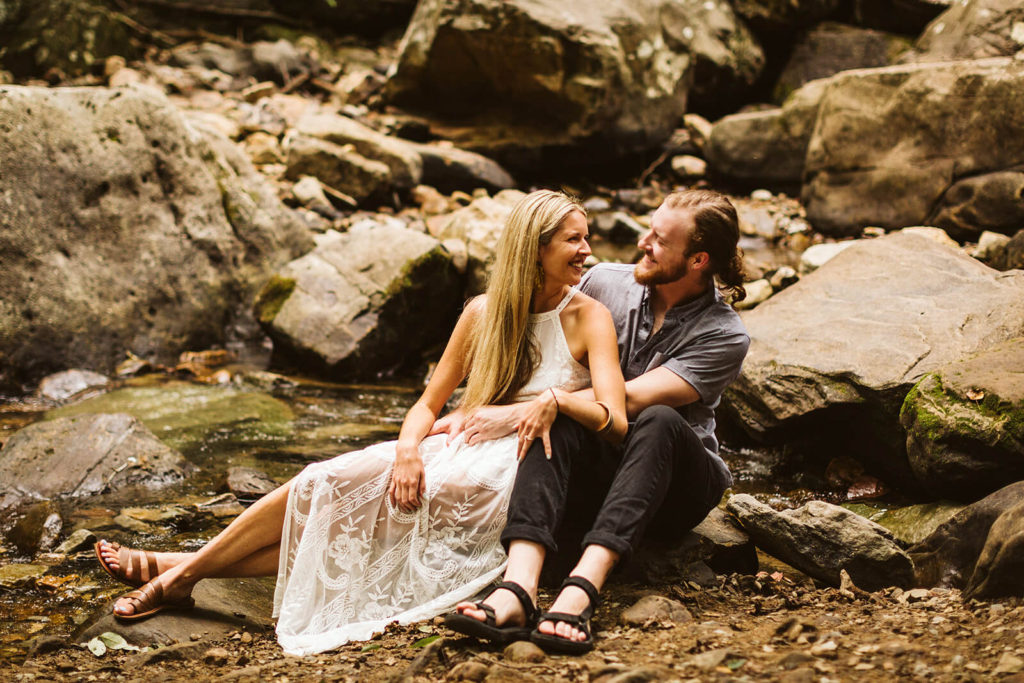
(63, 385)
(856, 335)
(989, 202)
(405, 169)
(821, 539)
(998, 571)
(86, 455)
(625, 91)
(965, 423)
(18, 575)
(655, 609)
(362, 302)
(523, 651)
(971, 30)
(37, 529)
(910, 524)
(147, 235)
(450, 168)
(222, 606)
(766, 148)
(185, 414)
(80, 539)
(249, 484)
(947, 557)
(479, 225)
(866, 144)
(337, 166)
(830, 47)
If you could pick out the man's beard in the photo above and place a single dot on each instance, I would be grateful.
(660, 276)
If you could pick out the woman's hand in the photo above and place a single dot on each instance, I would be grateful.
(540, 414)
(408, 480)
(451, 424)
(492, 422)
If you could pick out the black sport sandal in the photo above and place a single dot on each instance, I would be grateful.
(488, 629)
(549, 642)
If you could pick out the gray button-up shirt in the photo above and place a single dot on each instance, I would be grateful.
(702, 341)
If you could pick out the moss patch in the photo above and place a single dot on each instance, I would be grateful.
(272, 297)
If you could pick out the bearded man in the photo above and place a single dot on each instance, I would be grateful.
(680, 345)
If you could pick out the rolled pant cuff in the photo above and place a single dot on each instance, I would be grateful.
(526, 532)
(610, 541)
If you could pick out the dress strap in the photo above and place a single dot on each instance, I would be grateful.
(565, 301)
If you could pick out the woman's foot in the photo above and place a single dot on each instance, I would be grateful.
(166, 591)
(134, 567)
(505, 614)
(508, 610)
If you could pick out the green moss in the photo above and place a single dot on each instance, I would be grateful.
(914, 413)
(272, 297)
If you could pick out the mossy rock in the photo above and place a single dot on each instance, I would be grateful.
(965, 423)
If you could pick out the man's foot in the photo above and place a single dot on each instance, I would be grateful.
(134, 567)
(566, 626)
(507, 613)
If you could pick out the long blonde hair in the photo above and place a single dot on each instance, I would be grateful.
(502, 357)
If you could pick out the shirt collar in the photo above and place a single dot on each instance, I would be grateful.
(682, 312)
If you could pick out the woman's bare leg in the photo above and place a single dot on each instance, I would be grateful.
(263, 562)
(525, 559)
(247, 544)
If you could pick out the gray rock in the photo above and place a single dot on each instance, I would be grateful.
(821, 539)
(965, 423)
(78, 540)
(830, 47)
(869, 142)
(449, 169)
(95, 453)
(768, 147)
(37, 528)
(625, 85)
(249, 484)
(404, 164)
(989, 202)
(971, 30)
(14, 575)
(338, 166)
(362, 302)
(124, 228)
(63, 385)
(222, 606)
(655, 609)
(479, 225)
(947, 557)
(1001, 563)
(837, 352)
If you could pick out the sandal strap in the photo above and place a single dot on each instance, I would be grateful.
(529, 609)
(490, 618)
(586, 586)
(145, 598)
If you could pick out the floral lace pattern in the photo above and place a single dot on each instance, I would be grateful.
(351, 562)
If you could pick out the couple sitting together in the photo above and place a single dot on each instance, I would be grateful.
(589, 400)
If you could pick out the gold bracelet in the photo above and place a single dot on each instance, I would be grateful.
(557, 407)
(609, 422)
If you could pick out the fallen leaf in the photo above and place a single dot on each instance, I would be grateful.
(369, 647)
(975, 394)
(97, 647)
(423, 642)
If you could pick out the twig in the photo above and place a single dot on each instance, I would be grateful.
(295, 82)
(338, 194)
(650, 169)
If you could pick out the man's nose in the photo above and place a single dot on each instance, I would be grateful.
(641, 243)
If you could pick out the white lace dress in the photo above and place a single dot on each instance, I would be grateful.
(351, 562)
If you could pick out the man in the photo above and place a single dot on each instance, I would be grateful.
(680, 345)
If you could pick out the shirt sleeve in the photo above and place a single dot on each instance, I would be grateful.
(710, 363)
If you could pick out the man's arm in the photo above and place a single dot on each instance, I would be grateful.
(659, 386)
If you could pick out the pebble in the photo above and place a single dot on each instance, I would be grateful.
(216, 656)
(468, 671)
(524, 651)
(246, 637)
(656, 609)
(761, 195)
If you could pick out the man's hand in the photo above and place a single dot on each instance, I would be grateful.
(451, 424)
(537, 419)
(492, 422)
(408, 480)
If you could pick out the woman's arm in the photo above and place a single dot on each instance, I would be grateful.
(407, 480)
(598, 333)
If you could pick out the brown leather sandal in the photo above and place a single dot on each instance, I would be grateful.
(149, 600)
(128, 558)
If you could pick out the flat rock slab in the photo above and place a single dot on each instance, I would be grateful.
(85, 455)
(836, 353)
(821, 539)
(222, 606)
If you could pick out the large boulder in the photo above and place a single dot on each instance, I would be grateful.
(971, 30)
(834, 355)
(84, 456)
(989, 202)
(766, 148)
(900, 135)
(363, 302)
(1001, 563)
(948, 556)
(965, 423)
(124, 227)
(831, 47)
(67, 36)
(535, 77)
(479, 225)
(821, 540)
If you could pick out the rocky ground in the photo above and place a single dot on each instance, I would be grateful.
(773, 626)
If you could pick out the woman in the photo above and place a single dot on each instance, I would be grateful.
(404, 530)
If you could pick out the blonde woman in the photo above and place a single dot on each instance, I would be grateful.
(407, 529)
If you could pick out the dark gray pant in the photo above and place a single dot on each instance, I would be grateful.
(660, 479)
